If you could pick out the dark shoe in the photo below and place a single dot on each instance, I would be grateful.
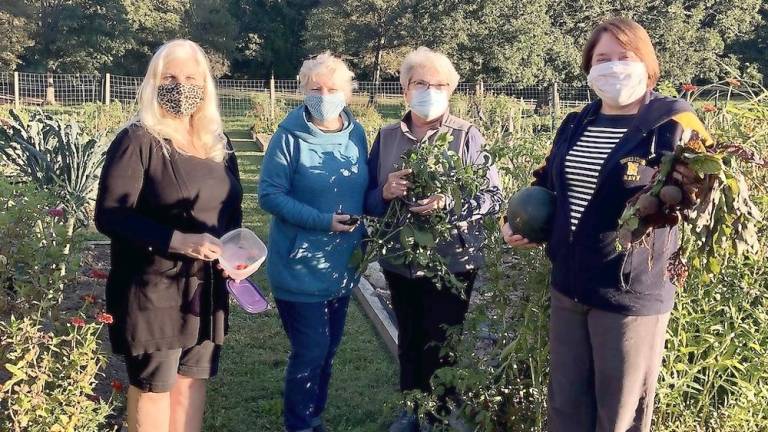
(319, 428)
(405, 422)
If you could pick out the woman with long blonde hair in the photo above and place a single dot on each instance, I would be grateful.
(169, 189)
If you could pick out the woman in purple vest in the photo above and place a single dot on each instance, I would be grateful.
(423, 308)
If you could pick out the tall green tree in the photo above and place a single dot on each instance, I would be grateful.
(365, 31)
(691, 37)
(269, 39)
(753, 51)
(151, 23)
(76, 35)
(16, 28)
(211, 24)
(535, 41)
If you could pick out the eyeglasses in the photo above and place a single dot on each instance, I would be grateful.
(423, 85)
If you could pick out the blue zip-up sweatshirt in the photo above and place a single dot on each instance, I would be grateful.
(586, 265)
(307, 175)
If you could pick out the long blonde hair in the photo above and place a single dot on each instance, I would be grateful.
(206, 123)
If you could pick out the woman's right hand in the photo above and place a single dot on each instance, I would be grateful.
(396, 185)
(338, 226)
(198, 246)
(516, 240)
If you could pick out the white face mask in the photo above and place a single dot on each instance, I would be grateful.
(619, 83)
(429, 104)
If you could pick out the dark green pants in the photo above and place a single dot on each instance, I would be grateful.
(604, 368)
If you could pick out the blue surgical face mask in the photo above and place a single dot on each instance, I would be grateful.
(325, 107)
(429, 104)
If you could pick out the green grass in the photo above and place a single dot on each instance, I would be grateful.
(247, 394)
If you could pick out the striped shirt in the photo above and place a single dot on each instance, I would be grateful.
(586, 158)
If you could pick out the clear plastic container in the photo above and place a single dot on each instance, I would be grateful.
(248, 296)
(242, 253)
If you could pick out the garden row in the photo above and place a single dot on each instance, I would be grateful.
(715, 376)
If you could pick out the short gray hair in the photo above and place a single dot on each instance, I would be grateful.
(424, 56)
(322, 64)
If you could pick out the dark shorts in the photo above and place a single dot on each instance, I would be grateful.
(156, 372)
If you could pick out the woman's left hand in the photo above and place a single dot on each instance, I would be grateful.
(429, 205)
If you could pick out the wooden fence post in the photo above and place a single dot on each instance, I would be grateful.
(107, 88)
(50, 90)
(272, 100)
(554, 101)
(16, 99)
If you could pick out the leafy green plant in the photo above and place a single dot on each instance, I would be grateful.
(51, 375)
(265, 120)
(715, 377)
(101, 119)
(372, 121)
(722, 219)
(667, 88)
(55, 155)
(404, 237)
(35, 258)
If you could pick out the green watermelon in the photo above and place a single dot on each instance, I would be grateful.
(530, 213)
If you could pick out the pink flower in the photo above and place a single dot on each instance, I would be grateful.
(77, 321)
(56, 212)
(97, 274)
(117, 386)
(104, 318)
(689, 88)
(709, 108)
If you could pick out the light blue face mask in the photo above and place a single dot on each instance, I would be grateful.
(325, 107)
(429, 104)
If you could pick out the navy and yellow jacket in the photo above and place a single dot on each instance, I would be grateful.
(586, 265)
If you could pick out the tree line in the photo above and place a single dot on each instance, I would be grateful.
(493, 40)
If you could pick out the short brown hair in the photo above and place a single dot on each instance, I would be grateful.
(633, 37)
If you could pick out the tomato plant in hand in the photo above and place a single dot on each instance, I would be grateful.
(438, 184)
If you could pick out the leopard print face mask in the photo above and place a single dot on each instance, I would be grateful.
(178, 99)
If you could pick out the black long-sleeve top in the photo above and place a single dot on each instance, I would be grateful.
(159, 299)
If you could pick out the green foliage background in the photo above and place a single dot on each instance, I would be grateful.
(500, 40)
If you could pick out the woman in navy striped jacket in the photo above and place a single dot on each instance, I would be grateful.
(609, 309)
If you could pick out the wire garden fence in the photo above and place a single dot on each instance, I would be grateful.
(241, 97)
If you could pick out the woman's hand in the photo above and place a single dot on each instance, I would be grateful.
(338, 226)
(198, 246)
(516, 240)
(428, 205)
(396, 185)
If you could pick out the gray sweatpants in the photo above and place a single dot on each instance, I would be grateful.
(604, 368)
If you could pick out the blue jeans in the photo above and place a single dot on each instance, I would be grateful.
(315, 331)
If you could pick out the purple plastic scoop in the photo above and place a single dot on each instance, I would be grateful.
(248, 296)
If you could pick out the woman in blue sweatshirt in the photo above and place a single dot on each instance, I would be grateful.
(313, 179)
(609, 309)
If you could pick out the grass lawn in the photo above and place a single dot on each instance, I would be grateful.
(247, 394)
